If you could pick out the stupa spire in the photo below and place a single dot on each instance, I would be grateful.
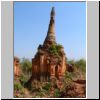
(51, 29)
(53, 12)
(52, 21)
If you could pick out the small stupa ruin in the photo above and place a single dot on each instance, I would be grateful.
(50, 60)
(17, 69)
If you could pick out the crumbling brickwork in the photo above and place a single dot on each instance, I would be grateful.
(50, 60)
(16, 66)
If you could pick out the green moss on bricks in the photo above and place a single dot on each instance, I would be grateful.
(55, 49)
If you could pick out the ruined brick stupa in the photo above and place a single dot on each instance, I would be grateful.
(50, 61)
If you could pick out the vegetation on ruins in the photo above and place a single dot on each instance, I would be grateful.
(56, 93)
(42, 89)
(55, 49)
(50, 74)
(47, 86)
(18, 89)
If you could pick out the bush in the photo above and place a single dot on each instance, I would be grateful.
(17, 86)
(57, 93)
(22, 79)
(18, 90)
(47, 86)
(72, 62)
(81, 64)
(58, 47)
(55, 49)
(68, 75)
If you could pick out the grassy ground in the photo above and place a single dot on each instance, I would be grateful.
(71, 88)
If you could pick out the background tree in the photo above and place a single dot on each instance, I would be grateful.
(81, 64)
(26, 66)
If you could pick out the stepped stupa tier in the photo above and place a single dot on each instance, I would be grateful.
(50, 61)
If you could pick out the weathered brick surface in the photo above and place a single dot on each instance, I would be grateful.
(46, 65)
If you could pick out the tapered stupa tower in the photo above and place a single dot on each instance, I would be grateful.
(49, 61)
(50, 38)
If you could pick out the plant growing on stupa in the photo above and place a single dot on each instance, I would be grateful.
(47, 86)
(56, 93)
(55, 50)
